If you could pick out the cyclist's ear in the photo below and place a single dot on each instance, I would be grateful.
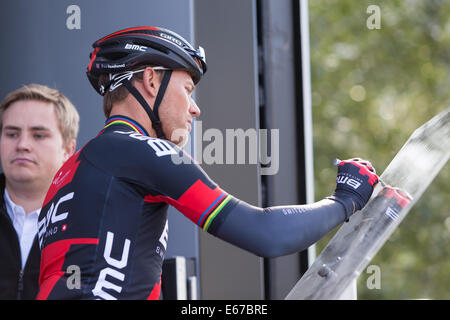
(151, 81)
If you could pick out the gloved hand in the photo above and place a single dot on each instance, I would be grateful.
(355, 182)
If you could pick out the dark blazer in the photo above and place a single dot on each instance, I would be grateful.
(16, 283)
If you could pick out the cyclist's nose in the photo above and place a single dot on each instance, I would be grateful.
(194, 110)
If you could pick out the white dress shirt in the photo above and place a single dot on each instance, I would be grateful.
(25, 225)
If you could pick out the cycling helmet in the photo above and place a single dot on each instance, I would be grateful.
(117, 53)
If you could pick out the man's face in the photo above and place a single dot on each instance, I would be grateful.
(31, 144)
(178, 108)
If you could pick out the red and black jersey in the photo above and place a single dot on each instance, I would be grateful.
(104, 218)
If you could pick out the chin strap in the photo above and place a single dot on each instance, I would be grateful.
(153, 115)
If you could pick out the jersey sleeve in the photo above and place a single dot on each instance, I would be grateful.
(163, 172)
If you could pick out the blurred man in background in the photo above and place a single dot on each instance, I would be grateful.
(38, 130)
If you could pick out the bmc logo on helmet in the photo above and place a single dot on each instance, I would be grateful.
(170, 38)
(135, 47)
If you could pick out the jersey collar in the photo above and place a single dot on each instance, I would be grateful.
(123, 120)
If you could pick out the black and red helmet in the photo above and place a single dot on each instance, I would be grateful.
(128, 48)
(121, 52)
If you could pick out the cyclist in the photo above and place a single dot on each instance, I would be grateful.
(106, 211)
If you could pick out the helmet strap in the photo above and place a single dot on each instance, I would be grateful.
(153, 115)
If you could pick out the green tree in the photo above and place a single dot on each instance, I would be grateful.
(370, 89)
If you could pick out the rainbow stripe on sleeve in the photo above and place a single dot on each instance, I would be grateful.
(211, 212)
(199, 203)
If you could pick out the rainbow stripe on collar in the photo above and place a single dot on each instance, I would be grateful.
(122, 120)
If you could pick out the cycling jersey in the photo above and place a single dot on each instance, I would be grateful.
(104, 217)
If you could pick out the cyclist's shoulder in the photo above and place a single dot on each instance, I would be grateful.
(133, 146)
(137, 142)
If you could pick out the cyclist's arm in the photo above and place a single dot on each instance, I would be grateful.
(277, 231)
(281, 230)
(267, 232)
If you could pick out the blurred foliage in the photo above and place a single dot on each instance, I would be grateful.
(370, 89)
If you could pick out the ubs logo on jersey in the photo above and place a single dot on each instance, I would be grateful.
(53, 216)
